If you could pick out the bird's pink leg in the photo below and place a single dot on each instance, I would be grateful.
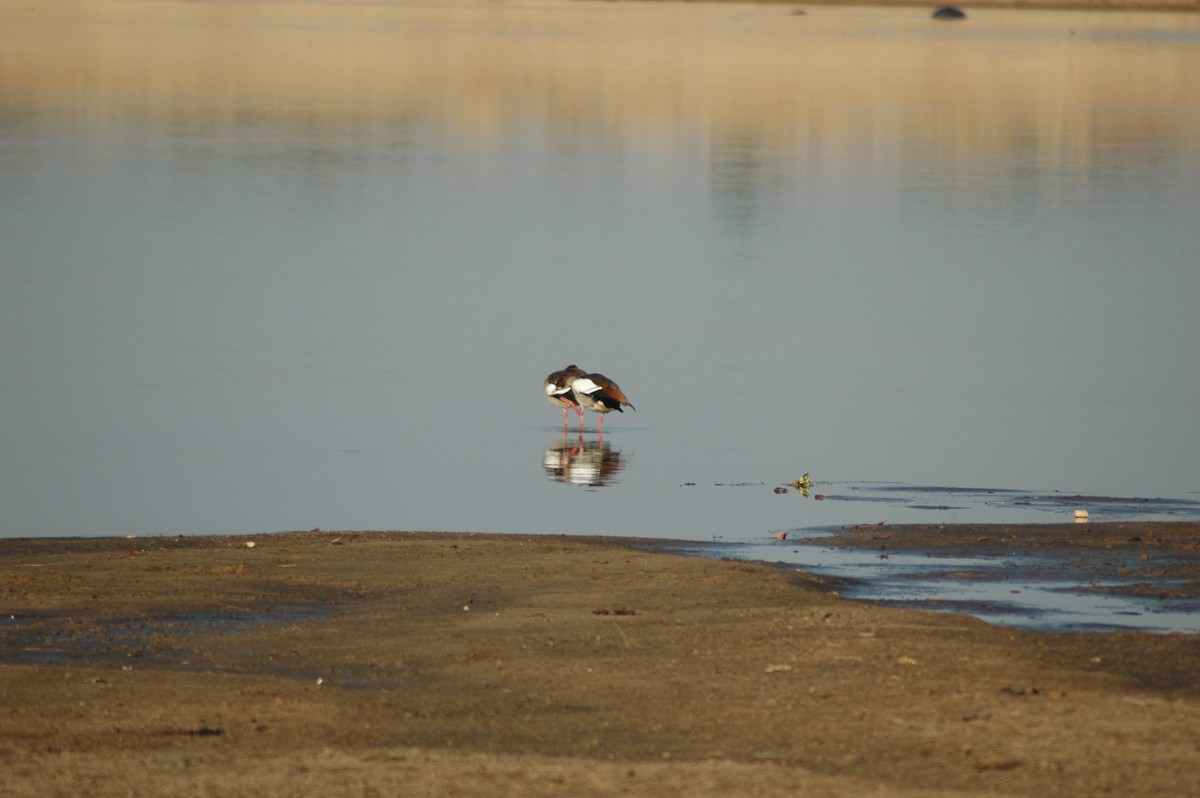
(600, 426)
(564, 416)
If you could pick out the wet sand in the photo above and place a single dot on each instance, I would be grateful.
(454, 664)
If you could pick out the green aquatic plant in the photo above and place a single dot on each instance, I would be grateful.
(804, 484)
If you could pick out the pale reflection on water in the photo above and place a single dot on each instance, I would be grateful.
(285, 265)
(590, 463)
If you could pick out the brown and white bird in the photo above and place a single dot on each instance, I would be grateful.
(558, 391)
(599, 394)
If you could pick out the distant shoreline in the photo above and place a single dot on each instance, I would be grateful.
(1175, 6)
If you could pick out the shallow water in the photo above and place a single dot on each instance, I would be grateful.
(1090, 590)
(278, 266)
(173, 640)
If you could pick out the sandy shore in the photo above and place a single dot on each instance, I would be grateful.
(421, 664)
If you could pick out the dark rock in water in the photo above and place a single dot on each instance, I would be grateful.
(949, 12)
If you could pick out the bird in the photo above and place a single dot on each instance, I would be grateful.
(599, 394)
(558, 391)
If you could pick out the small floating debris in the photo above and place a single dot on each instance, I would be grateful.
(1021, 690)
(803, 485)
(200, 731)
(949, 12)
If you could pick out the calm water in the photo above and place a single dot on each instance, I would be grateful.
(1076, 590)
(274, 266)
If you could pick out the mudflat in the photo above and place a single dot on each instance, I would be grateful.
(419, 664)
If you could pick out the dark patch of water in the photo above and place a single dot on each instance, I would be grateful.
(166, 639)
(918, 497)
(1092, 590)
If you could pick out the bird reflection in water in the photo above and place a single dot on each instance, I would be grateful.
(580, 462)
